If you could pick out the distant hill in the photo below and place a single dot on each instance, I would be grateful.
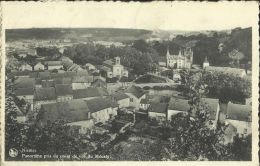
(107, 34)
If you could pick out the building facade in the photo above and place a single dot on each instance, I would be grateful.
(183, 60)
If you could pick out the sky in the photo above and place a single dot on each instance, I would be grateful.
(191, 16)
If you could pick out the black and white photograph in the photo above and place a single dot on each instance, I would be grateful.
(91, 81)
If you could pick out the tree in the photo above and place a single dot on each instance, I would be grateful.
(241, 148)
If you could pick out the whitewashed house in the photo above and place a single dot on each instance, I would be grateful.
(136, 94)
(122, 99)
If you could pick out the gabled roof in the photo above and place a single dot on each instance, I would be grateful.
(63, 89)
(71, 111)
(62, 80)
(67, 64)
(48, 83)
(86, 93)
(136, 91)
(226, 70)
(21, 73)
(105, 68)
(179, 104)
(82, 79)
(53, 63)
(98, 82)
(119, 96)
(158, 108)
(99, 104)
(24, 91)
(44, 94)
(239, 112)
(108, 62)
(235, 54)
(44, 75)
(24, 82)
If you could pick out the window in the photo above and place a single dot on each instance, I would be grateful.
(131, 100)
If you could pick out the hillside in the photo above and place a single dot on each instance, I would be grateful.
(107, 34)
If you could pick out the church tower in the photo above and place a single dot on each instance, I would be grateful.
(205, 63)
(117, 60)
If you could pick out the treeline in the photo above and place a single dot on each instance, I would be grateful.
(208, 45)
(140, 57)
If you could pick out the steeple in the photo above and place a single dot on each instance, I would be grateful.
(205, 63)
(168, 52)
(206, 60)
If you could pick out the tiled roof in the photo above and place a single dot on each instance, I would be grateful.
(63, 89)
(71, 111)
(236, 54)
(82, 79)
(85, 93)
(53, 63)
(44, 75)
(108, 62)
(105, 68)
(179, 104)
(63, 80)
(158, 107)
(24, 82)
(136, 91)
(239, 112)
(119, 96)
(226, 70)
(24, 91)
(99, 104)
(44, 94)
(47, 83)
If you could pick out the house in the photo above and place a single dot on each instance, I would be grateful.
(38, 83)
(205, 63)
(236, 56)
(240, 116)
(176, 106)
(227, 70)
(26, 94)
(102, 109)
(45, 75)
(65, 59)
(51, 65)
(39, 67)
(43, 96)
(75, 112)
(121, 98)
(89, 66)
(183, 60)
(81, 82)
(89, 93)
(113, 68)
(74, 67)
(24, 82)
(99, 83)
(47, 83)
(63, 92)
(136, 94)
(25, 66)
(144, 104)
(158, 111)
(21, 74)
(62, 80)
